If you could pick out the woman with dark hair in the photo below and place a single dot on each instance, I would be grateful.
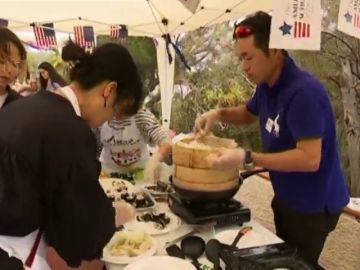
(12, 57)
(50, 79)
(50, 194)
(123, 143)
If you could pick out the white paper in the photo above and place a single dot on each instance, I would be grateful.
(349, 17)
(296, 24)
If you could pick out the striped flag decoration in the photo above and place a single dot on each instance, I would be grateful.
(301, 30)
(119, 31)
(356, 20)
(84, 36)
(114, 31)
(349, 17)
(296, 25)
(4, 23)
(45, 35)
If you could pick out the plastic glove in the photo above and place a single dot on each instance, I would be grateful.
(205, 122)
(152, 169)
(227, 159)
(124, 212)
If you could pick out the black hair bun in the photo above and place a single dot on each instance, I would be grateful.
(81, 61)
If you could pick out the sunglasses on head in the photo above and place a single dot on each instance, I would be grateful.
(241, 31)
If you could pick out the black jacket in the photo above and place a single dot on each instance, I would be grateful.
(49, 178)
(12, 96)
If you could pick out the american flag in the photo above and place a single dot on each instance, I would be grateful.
(356, 20)
(84, 36)
(301, 30)
(4, 23)
(119, 31)
(45, 35)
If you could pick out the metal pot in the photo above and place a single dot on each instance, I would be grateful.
(213, 196)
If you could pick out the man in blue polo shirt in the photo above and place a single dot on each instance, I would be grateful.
(298, 135)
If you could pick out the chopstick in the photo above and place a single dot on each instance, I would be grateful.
(240, 234)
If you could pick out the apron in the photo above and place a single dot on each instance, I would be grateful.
(31, 249)
(124, 148)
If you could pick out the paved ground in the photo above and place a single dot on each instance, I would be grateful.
(342, 249)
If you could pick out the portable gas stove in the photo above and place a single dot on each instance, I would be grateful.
(230, 212)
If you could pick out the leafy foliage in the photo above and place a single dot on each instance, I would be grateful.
(144, 52)
(216, 81)
(35, 57)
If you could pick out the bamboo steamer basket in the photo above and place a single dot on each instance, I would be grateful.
(191, 171)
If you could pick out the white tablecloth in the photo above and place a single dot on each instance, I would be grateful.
(206, 235)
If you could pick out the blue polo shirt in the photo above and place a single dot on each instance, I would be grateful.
(295, 108)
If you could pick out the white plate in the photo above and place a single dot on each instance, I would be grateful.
(354, 204)
(160, 262)
(107, 183)
(149, 227)
(250, 239)
(107, 257)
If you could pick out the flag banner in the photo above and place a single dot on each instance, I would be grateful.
(191, 5)
(296, 25)
(45, 35)
(84, 36)
(4, 23)
(349, 17)
(119, 31)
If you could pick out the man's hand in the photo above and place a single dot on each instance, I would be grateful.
(205, 122)
(227, 159)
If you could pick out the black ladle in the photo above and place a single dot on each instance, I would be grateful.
(212, 251)
(193, 247)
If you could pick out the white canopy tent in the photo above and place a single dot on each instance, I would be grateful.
(152, 18)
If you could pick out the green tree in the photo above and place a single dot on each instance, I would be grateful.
(144, 52)
(215, 81)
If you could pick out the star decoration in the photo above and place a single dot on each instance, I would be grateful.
(285, 29)
(348, 17)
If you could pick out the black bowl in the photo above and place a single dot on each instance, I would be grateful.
(206, 196)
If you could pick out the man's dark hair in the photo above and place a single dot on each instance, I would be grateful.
(259, 24)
